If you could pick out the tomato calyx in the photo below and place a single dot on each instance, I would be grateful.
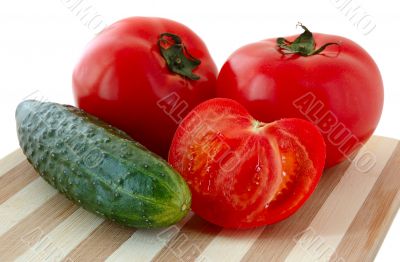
(303, 45)
(177, 57)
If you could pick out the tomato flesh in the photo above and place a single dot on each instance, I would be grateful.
(244, 173)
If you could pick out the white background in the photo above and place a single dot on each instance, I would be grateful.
(40, 41)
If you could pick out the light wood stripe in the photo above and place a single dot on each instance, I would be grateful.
(143, 245)
(233, 244)
(383, 203)
(9, 162)
(34, 227)
(200, 233)
(190, 242)
(65, 237)
(339, 210)
(277, 248)
(236, 244)
(101, 243)
(24, 203)
(16, 179)
(347, 216)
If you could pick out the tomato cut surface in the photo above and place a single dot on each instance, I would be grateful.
(244, 173)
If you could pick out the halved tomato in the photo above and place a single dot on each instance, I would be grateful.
(244, 173)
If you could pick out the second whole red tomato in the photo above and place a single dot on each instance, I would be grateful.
(326, 79)
(143, 75)
(244, 173)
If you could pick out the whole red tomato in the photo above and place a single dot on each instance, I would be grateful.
(326, 79)
(244, 173)
(143, 75)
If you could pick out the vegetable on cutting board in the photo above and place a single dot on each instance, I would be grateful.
(143, 75)
(244, 173)
(326, 79)
(99, 167)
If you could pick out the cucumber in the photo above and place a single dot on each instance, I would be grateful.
(100, 167)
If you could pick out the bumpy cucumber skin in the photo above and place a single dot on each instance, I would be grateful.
(99, 167)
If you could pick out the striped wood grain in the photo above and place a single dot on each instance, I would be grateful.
(346, 218)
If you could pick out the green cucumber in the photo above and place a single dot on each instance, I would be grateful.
(100, 167)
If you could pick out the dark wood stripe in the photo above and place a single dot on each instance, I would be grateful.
(276, 241)
(33, 228)
(10, 161)
(16, 179)
(101, 243)
(364, 235)
(376, 214)
(190, 242)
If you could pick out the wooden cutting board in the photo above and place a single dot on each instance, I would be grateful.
(346, 219)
